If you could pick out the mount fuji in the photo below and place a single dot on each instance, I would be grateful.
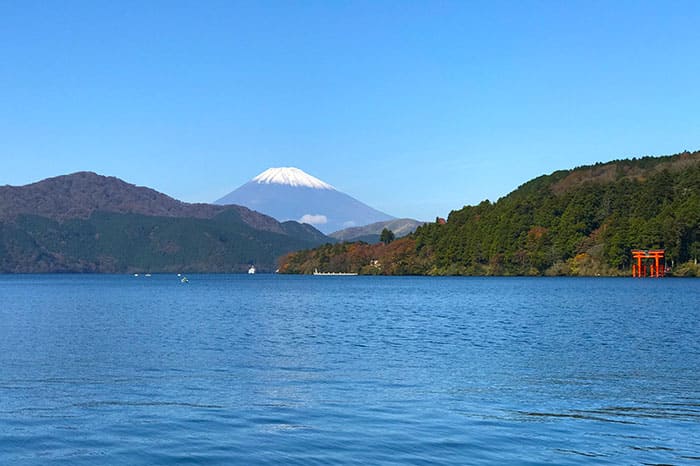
(288, 193)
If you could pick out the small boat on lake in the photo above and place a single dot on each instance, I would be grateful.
(251, 270)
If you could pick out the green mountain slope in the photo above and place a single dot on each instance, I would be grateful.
(574, 222)
(88, 223)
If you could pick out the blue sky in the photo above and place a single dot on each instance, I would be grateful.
(416, 108)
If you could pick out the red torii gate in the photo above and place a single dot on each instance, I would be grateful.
(655, 270)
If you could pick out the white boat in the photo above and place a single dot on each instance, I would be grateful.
(351, 274)
(251, 270)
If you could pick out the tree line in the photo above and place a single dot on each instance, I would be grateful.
(573, 222)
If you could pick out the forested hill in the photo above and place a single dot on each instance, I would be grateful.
(86, 222)
(583, 221)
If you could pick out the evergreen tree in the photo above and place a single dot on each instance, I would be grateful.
(387, 236)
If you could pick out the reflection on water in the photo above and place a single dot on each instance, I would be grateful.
(299, 370)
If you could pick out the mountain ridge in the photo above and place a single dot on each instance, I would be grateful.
(371, 233)
(85, 222)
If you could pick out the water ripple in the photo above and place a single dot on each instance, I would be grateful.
(368, 370)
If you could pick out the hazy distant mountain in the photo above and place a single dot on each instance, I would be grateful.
(291, 194)
(370, 233)
(85, 222)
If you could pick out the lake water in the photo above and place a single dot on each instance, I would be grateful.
(348, 370)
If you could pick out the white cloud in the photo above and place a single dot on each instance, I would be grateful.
(314, 219)
(349, 224)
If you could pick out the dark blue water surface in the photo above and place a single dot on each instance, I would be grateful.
(351, 370)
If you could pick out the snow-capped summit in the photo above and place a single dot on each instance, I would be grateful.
(291, 194)
(290, 176)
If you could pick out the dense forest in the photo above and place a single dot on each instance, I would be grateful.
(86, 222)
(573, 222)
(109, 242)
